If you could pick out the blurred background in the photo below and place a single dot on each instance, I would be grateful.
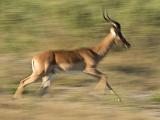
(29, 27)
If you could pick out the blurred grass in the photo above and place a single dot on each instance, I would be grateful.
(156, 98)
(29, 27)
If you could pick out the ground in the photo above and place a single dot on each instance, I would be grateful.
(70, 103)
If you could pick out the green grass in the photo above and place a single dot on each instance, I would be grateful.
(156, 98)
(29, 27)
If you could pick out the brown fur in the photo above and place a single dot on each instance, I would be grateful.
(83, 59)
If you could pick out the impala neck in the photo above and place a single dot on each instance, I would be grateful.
(103, 47)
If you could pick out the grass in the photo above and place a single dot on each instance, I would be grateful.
(156, 98)
(29, 27)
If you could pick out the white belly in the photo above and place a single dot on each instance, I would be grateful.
(66, 66)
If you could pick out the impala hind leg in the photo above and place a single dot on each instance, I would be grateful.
(25, 82)
(46, 82)
(103, 83)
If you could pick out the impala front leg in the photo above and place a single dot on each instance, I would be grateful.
(103, 83)
(113, 91)
(95, 73)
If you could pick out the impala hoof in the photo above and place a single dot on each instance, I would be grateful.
(17, 96)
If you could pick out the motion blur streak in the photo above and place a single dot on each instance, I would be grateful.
(28, 27)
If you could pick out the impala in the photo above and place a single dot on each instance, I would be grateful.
(45, 64)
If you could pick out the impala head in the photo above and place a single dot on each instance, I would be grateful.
(116, 32)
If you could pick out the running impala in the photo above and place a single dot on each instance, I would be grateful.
(45, 64)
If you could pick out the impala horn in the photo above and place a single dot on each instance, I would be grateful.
(108, 19)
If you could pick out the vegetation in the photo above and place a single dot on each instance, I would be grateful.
(28, 27)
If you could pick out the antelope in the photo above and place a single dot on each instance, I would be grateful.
(45, 64)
